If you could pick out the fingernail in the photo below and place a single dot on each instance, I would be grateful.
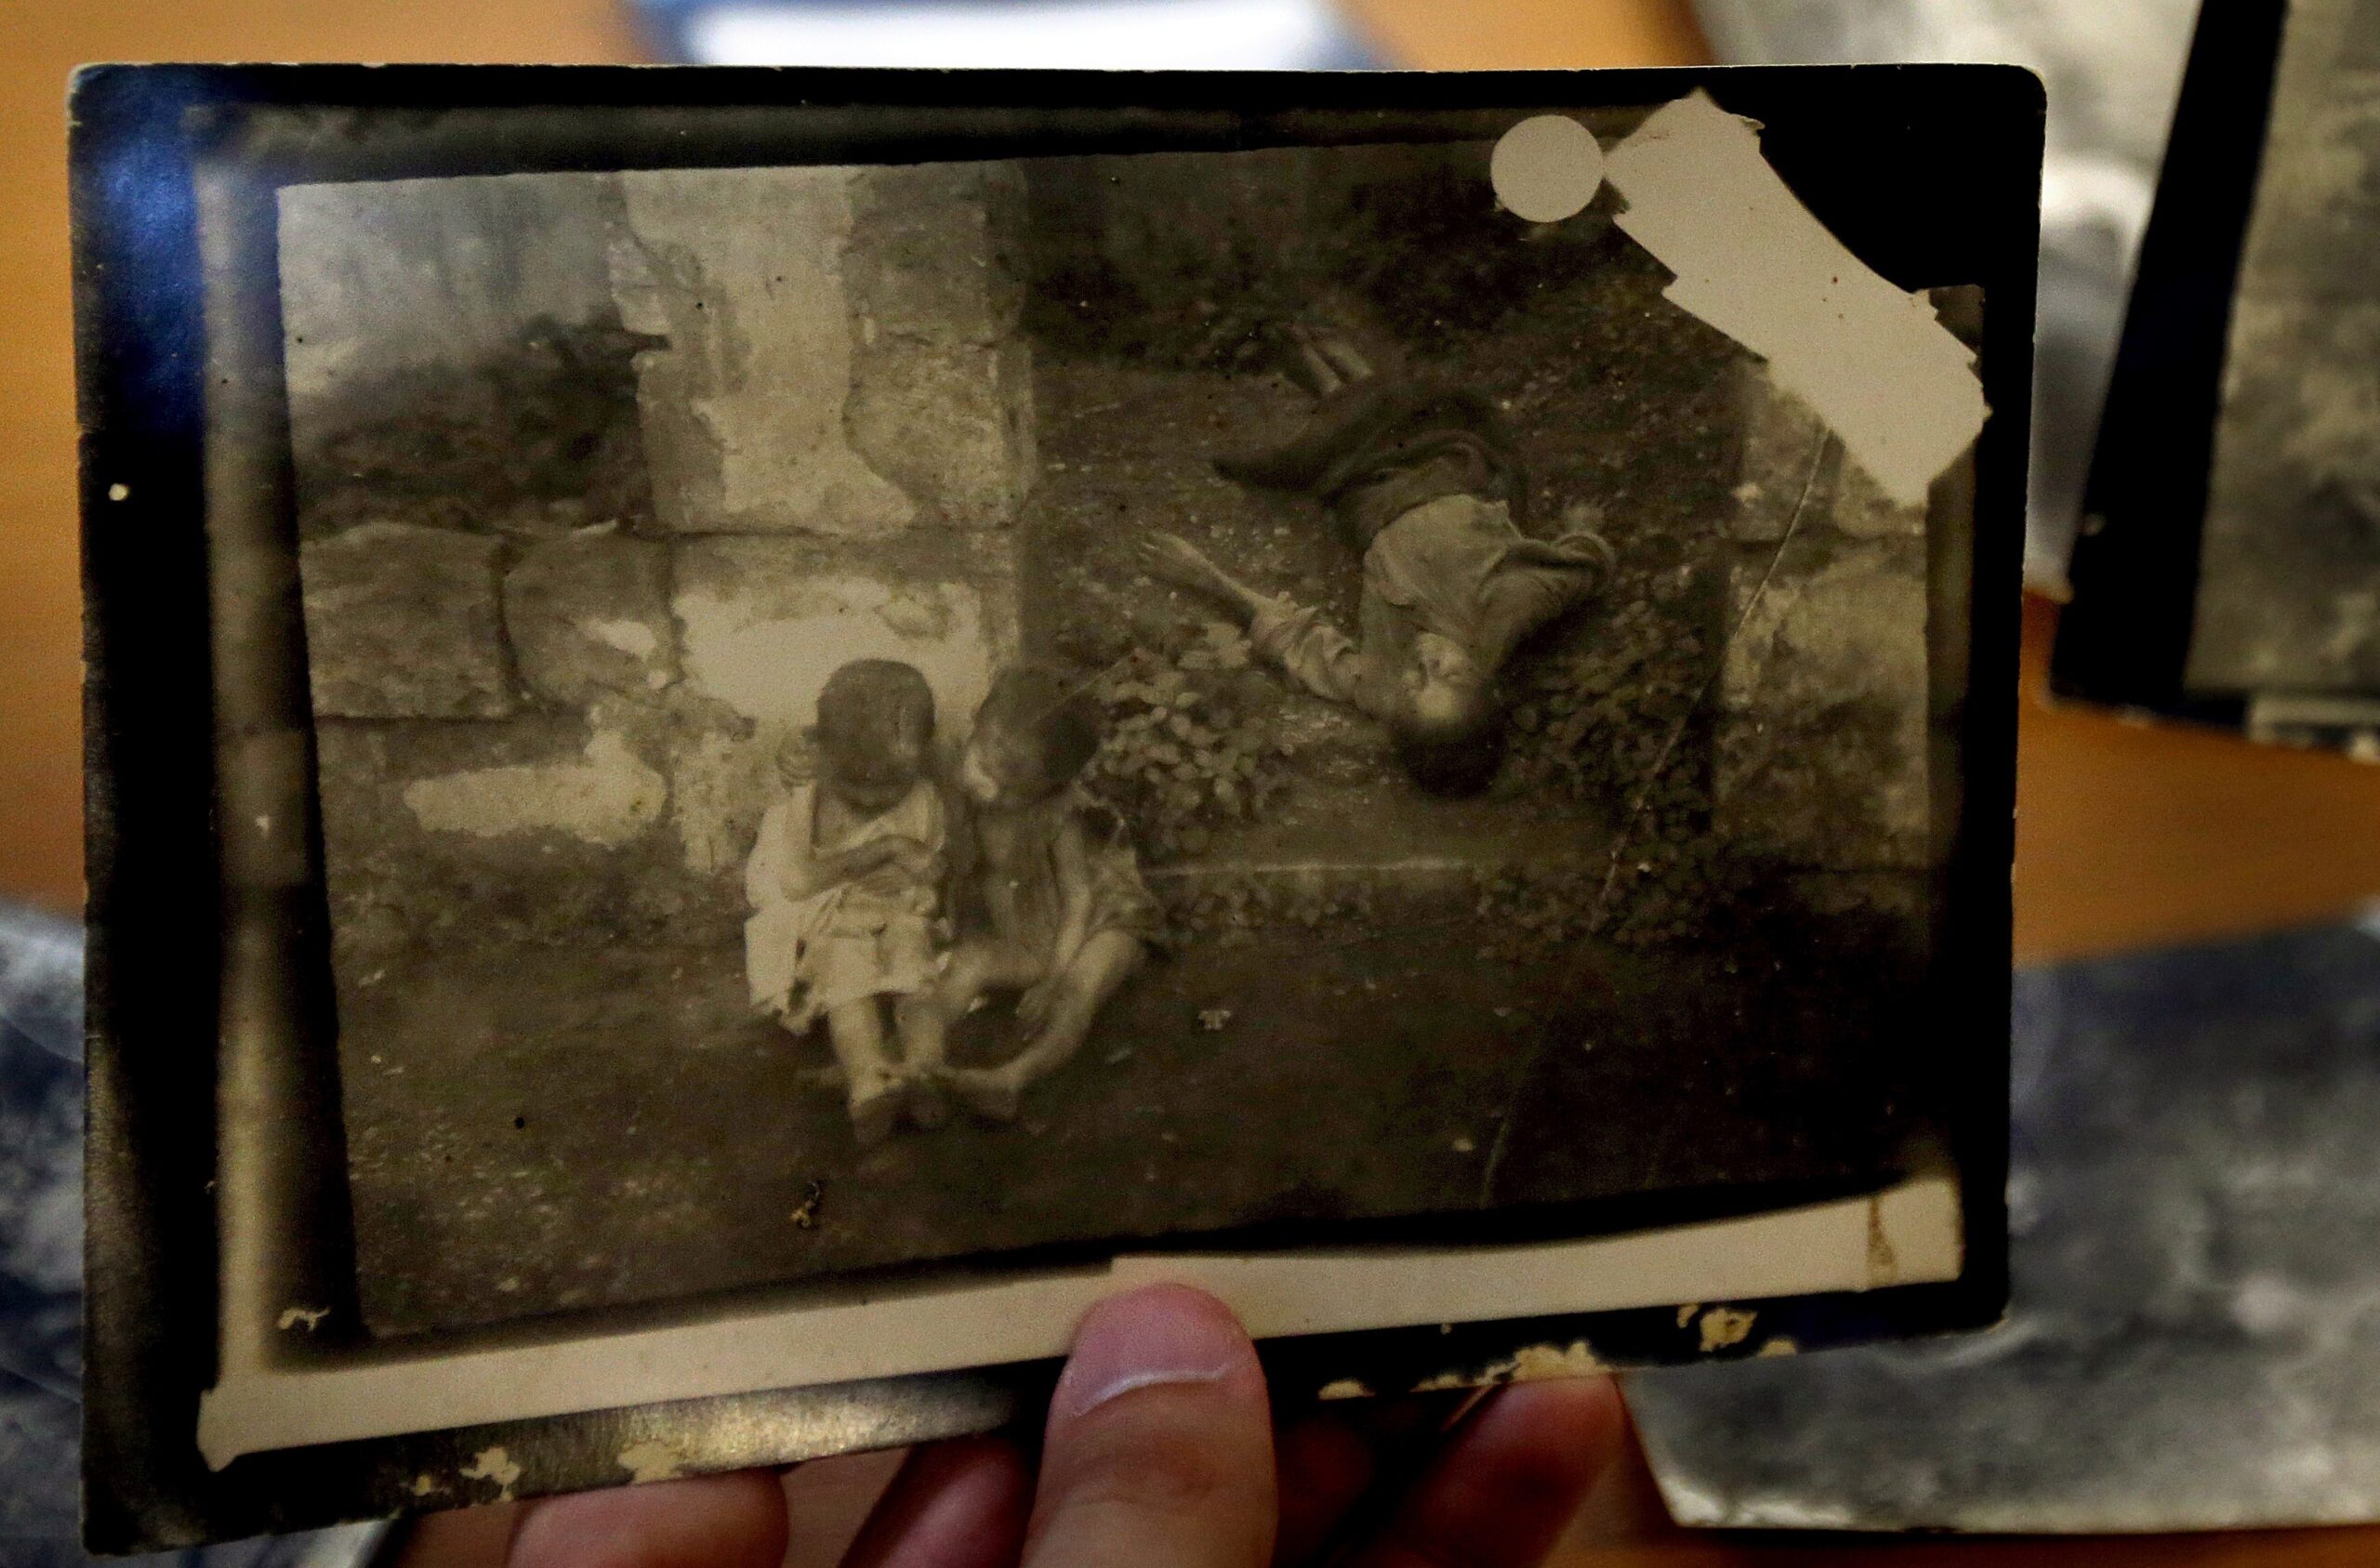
(1156, 1336)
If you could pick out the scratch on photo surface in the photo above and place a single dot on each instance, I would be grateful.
(1644, 793)
(805, 1213)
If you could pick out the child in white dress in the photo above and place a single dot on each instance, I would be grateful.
(845, 883)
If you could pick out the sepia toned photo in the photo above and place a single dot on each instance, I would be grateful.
(2287, 607)
(2230, 569)
(877, 715)
(837, 730)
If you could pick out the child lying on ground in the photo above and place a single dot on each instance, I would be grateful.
(846, 887)
(1425, 485)
(1071, 918)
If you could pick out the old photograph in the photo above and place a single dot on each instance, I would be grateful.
(877, 715)
(819, 729)
(2230, 570)
(2289, 590)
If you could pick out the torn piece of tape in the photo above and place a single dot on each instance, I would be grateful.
(1753, 262)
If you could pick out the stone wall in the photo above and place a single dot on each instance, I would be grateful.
(1822, 723)
(563, 731)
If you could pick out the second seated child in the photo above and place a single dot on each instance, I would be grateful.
(845, 883)
(1071, 918)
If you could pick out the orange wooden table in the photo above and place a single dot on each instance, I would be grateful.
(2128, 836)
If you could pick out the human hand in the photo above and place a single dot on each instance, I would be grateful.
(1159, 1451)
(1171, 558)
(1033, 1007)
(911, 855)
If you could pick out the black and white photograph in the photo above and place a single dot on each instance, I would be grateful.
(877, 742)
(2232, 558)
(2288, 605)
(877, 715)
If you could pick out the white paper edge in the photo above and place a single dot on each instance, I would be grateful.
(1909, 1234)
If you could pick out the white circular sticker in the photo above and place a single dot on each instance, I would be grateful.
(1546, 168)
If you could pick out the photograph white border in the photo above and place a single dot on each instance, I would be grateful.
(1908, 1234)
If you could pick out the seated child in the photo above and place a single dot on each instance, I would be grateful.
(846, 887)
(1070, 916)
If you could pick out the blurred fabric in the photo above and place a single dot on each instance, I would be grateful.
(1034, 34)
(40, 1271)
(2114, 71)
(2194, 1244)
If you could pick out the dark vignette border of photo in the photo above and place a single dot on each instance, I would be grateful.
(2124, 641)
(1928, 173)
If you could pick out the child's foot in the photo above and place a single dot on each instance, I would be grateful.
(876, 1113)
(990, 1094)
(928, 1108)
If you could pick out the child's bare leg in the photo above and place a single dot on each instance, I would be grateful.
(918, 1021)
(965, 979)
(1100, 968)
(975, 969)
(856, 1030)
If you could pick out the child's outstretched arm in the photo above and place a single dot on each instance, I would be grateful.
(1170, 558)
(1320, 657)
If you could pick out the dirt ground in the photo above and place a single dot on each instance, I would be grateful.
(544, 1128)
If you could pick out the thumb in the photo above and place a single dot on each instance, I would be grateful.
(1159, 1450)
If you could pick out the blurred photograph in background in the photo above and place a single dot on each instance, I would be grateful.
(2112, 70)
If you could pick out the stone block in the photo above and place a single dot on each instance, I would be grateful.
(721, 783)
(1781, 457)
(601, 795)
(1860, 507)
(588, 614)
(1822, 736)
(2288, 585)
(402, 622)
(764, 620)
(952, 424)
(1785, 463)
(930, 253)
(744, 411)
(545, 828)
